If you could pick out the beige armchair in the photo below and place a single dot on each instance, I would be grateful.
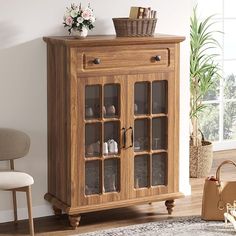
(15, 144)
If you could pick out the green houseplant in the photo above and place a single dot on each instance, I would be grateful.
(204, 73)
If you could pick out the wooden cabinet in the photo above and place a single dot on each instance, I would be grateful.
(113, 122)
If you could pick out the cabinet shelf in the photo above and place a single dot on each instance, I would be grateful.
(110, 156)
(103, 157)
(150, 116)
(101, 120)
(150, 152)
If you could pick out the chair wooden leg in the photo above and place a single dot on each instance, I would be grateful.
(29, 203)
(14, 206)
(14, 196)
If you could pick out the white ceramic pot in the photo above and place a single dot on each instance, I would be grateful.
(80, 34)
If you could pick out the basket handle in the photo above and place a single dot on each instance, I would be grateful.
(219, 168)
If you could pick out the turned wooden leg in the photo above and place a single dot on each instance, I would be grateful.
(74, 220)
(57, 211)
(169, 206)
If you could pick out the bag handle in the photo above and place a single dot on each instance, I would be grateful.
(219, 167)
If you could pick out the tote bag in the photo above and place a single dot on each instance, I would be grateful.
(216, 194)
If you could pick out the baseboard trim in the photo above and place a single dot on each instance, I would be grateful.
(38, 211)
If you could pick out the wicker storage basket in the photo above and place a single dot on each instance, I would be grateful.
(134, 27)
(201, 159)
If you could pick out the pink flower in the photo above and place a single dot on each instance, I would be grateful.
(87, 14)
(69, 20)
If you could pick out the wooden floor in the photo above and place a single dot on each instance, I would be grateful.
(187, 206)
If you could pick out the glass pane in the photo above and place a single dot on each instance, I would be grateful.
(111, 138)
(229, 8)
(111, 175)
(92, 177)
(141, 171)
(93, 139)
(111, 100)
(230, 120)
(159, 133)
(230, 39)
(159, 169)
(141, 135)
(141, 98)
(230, 79)
(92, 102)
(214, 92)
(209, 122)
(159, 97)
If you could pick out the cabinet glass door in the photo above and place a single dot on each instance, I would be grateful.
(150, 134)
(102, 139)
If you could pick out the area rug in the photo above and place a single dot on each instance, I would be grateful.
(192, 226)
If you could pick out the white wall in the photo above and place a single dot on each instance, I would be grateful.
(23, 101)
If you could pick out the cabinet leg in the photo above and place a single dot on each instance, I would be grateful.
(169, 206)
(57, 211)
(74, 220)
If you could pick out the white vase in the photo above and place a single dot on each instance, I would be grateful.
(80, 34)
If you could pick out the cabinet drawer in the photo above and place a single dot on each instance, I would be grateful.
(126, 58)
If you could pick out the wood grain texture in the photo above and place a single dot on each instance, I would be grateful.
(57, 96)
(119, 58)
(123, 61)
(110, 40)
(131, 59)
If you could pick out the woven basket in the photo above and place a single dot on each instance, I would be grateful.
(200, 159)
(126, 27)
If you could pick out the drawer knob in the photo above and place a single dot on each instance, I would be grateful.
(157, 58)
(97, 61)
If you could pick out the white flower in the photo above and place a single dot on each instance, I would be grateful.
(80, 20)
(73, 13)
(87, 13)
(92, 19)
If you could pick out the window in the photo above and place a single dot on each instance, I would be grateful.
(218, 122)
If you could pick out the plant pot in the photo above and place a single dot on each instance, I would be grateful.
(80, 34)
(200, 159)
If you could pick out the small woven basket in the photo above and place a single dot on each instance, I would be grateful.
(126, 27)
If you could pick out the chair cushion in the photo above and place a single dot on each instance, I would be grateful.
(14, 179)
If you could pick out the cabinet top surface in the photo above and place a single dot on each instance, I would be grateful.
(99, 40)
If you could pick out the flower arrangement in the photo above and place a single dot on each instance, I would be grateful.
(76, 18)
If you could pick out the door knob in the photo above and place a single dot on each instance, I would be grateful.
(157, 58)
(97, 61)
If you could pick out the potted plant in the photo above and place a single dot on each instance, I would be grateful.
(204, 73)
